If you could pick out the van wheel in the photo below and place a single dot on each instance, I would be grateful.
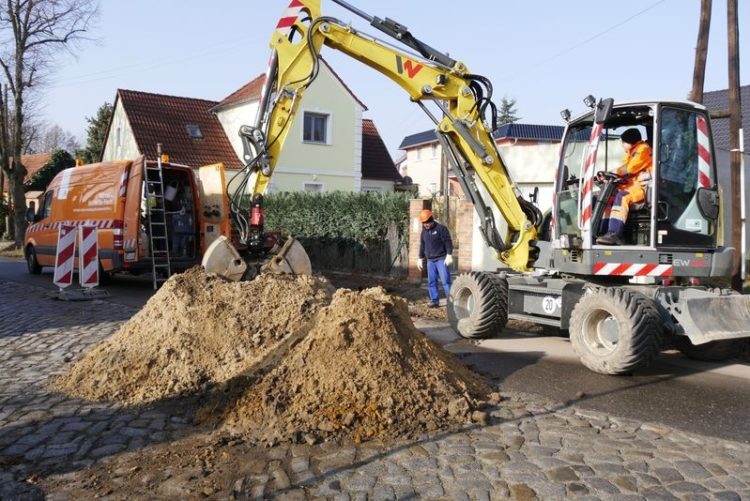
(31, 263)
(105, 277)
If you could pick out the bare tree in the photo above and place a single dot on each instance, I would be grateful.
(32, 33)
(52, 137)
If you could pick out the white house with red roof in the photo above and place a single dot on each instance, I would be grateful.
(330, 146)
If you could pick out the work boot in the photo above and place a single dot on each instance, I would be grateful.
(434, 305)
(610, 238)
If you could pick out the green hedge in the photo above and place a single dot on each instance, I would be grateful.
(355, 217)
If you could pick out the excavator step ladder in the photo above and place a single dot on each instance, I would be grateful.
(157, 225)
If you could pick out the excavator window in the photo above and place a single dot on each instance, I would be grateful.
(682, 173)
(576, 145)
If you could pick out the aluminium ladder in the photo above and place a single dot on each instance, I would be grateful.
(157, 225)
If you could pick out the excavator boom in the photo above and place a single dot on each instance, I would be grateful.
(456, 100)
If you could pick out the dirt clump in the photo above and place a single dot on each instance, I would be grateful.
(197, 330)
(362, 372)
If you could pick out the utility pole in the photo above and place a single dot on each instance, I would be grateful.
(735, 124)
(701, 50)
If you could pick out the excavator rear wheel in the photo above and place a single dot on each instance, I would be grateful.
(478, 305)
(615, 330)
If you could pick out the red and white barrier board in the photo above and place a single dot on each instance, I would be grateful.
(88, 266)
(66, 249)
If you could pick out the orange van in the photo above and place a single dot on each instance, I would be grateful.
(113, 196)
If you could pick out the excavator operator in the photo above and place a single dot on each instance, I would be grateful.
(634, 174)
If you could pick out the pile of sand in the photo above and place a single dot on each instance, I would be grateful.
(283, 358)
(363, 371)
(198, 329)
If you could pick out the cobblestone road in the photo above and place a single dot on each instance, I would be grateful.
(531, 448)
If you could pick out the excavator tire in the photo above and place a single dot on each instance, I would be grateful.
(616, 331)
(715, 351)
(478, 305)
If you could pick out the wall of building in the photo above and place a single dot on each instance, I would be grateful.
(532, 165)
(120, 142)
(377, 185)
(233, 118)
(337, 165)
(423, 166)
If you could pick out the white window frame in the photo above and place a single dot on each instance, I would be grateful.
(329, 127)
(419, 154)
(315, 183)
(434, 150)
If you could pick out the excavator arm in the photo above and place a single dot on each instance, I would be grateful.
(430, 78)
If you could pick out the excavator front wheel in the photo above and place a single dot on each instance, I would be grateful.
(615, 331)
(478, 305)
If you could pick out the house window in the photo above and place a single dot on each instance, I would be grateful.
(419, 154)
(118, 138)
(313, 187)
(315, 128)
(194, 131)
(434, 150)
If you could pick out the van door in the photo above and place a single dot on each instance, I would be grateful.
(213, 202)
(132, 211)
(45, 233)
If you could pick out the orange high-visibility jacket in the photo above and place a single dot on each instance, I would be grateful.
(636, 165)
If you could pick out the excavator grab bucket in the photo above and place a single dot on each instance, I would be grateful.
(291, 259)
(223, 259)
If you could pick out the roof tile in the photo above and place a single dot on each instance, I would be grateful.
(719, 100)
(157, 118)
(32, 162)
(251, 91)
(513, 131)
(376, 161)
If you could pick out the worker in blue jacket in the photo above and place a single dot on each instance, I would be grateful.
(436, 246)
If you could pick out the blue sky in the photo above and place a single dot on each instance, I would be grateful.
(546, 54)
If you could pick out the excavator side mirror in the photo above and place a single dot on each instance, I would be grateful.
(603, 110)
(708, 203)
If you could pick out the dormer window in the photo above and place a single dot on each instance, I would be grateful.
(194, 131)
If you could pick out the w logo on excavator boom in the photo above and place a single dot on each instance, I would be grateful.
(410, 66)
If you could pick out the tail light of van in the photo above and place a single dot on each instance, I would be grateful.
(123, 189)
(117, 235)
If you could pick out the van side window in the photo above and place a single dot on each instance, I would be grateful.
(46, 209)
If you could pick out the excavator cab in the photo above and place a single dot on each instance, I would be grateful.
(681, 205)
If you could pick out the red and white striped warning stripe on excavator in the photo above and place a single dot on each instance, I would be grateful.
(704, 153)
(633, 269)
(289, 18)
(588, 176)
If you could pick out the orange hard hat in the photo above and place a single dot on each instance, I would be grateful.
(425, 215)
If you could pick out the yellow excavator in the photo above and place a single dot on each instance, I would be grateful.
(622, 304)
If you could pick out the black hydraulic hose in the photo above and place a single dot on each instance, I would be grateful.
(531, 211)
